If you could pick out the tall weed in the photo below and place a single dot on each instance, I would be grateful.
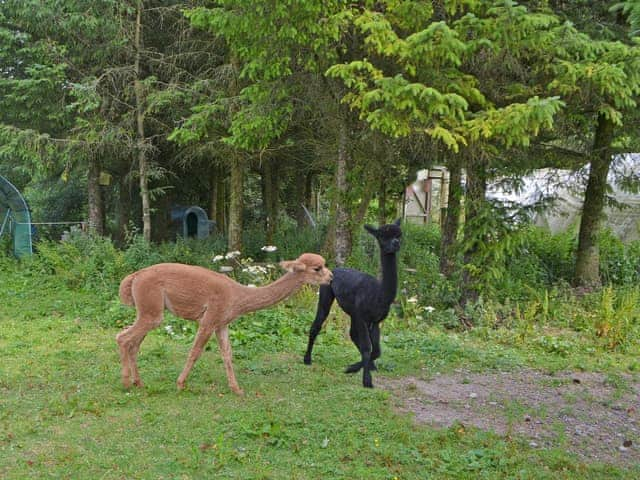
(617, 317)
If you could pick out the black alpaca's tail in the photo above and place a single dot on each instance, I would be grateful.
(325, 300)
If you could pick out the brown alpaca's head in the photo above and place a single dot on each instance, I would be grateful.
(311, 267)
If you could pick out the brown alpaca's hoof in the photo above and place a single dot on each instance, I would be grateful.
(180, 385)
(238, 391)
(138, 383)
(126, 383)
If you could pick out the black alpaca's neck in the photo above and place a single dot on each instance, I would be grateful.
(389, 264)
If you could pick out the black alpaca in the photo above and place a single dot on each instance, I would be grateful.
(365, 299)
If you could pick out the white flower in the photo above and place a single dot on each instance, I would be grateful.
(169, 329)
(412, 300)
(255, 270)
(429, 309)
(269, 248)
(231, 255)
(217, 258)
(225, 268)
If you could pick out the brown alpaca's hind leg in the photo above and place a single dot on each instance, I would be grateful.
(129, 341)
(225, 351)
(124, 358)
(202, 337)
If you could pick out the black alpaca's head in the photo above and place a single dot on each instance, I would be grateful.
(388, 236)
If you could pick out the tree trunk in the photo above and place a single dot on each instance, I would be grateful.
(124, 209)
(303, 197)
(439, 10)
(342, 224)
(451, 220)
(270, 199)
(221, 203)
(587, 271)
(382, 202)
(142, 155)
(213, 192)
(474, 203)
(365, 201)
(311, 197)
(161, 218)
(236, 203)
(96, 204)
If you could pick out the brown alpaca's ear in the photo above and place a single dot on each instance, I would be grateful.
(293, 266)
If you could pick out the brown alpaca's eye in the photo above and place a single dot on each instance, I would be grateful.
(317, 269)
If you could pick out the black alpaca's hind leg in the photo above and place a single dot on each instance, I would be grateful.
(353, 333)
(374, 334)
(365, 351)
(325, 300)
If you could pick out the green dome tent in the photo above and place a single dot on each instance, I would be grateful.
(15, 218)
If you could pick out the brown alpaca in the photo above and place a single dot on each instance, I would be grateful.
(211, 299)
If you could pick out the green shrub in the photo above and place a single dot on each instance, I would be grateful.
(619, 263)
(140, 254)
(83, 261)
(553, 254)
(293, 241)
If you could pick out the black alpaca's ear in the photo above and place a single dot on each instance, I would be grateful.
(397, 222)
(371, 230)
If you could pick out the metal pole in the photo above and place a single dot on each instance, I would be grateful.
(4, 222)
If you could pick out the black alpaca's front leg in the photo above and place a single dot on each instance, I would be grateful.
(375, 344)
(325, 300)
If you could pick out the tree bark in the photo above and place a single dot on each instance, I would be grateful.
(587, 269)
(342, 224)
(96, 203)
(303, 196)
(270, 199)
(124, 209)
(213, 192)
(474, 203)
(236, 203)
(365, 201)
(451, 221)
(439, 10)
(382, 202)
(221, 203)
(142, 155)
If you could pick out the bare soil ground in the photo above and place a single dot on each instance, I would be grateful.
(592, 415)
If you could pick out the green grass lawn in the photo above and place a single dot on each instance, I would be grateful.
(63, 413)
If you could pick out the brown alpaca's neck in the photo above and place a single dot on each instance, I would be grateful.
(250, 299)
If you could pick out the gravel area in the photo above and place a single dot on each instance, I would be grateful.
(593, 415)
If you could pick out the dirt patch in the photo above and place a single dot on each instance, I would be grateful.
(590, 414)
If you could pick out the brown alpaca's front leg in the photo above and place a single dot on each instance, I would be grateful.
(134, 349)
(225, 350)
(202, 337)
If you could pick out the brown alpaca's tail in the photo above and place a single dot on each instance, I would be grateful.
(126, 297)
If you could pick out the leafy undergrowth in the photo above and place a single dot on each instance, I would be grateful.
(63, 413)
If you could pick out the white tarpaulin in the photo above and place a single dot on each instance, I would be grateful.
(565, 191)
